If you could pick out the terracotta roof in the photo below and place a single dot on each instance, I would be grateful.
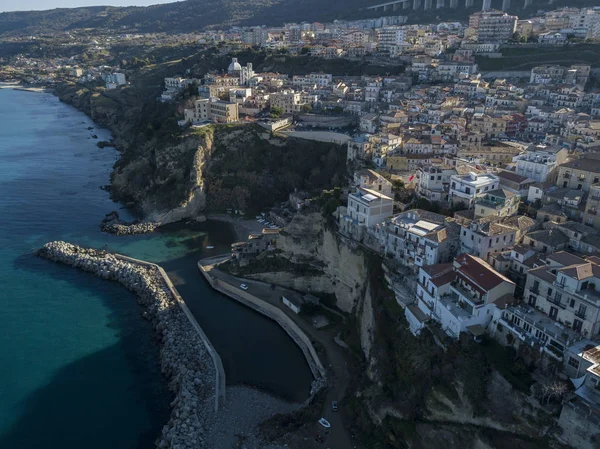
(594, 259)
(578, 272)
(551, 237)
(501, 193)
(511, 176)
(542, 273)
(585, 164)
(565, 259)
(521, 222)
(480, 272)
(437, 269)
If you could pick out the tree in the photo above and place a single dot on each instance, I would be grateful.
(306, 108)
(276, 111)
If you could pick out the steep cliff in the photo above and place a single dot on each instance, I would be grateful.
(342, 269)
(166, 173)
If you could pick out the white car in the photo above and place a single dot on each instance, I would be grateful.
(244, 287)
(324, 423)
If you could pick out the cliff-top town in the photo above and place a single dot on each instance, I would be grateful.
(479, 188)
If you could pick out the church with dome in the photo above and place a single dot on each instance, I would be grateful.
(243, 73)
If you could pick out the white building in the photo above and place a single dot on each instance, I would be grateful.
(368, 207)
(210, 109)
(369, 179)
(461, 296)
(539, 161)
(388, 37)
(416, 238)
(465, 188)
(483, 237)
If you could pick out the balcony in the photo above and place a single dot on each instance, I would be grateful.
(557, 303)
(489, 204)
(581, 314)
(467, 295)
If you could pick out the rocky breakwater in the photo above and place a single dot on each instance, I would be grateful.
(114, 225)
(184, 359)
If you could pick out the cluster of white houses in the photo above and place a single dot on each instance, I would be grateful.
(488, 271)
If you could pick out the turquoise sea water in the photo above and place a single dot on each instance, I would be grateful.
(78, 366)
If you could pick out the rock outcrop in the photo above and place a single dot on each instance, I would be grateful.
(307, 241)
(183, 356)
(112, 224)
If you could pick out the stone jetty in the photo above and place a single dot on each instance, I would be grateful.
(184, 359)
(114, 225)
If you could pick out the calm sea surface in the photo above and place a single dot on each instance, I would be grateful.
(78, 365)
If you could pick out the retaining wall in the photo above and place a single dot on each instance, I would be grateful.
(274, 313)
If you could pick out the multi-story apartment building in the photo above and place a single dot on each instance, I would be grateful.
(461, 296)
(213, 110)
(494, 26)
(497, 202)
(539, 161)
(416, 238)
(434, 181)
(365, 209)
(567, 290)
(389, 37)
(465, 188)
(580, 173)
(369, 179)
(484, 236)
(290, 101)
(491, 127)
(255, 36)
(591, 215)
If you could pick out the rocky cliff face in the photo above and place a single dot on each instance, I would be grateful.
(307, 241)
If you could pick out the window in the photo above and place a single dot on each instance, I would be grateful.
(572, 303)
(439, 178)
(549, 292)
(467, 190)
(464, 233)
(486, 189)
(573, 362)
(432, 178)
(497, 239)
(483, 211)
(577, 325)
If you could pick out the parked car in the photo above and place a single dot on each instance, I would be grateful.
(244, 287)
(334, 406)
(324, 423)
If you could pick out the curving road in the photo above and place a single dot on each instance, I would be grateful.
(335, 361)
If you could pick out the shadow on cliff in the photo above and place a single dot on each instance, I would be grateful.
(67, 413)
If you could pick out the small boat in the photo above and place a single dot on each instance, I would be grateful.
(210, 247)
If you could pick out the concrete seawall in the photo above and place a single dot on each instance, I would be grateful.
(220, 381)
(272, 312)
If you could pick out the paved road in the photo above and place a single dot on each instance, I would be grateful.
(335, 360)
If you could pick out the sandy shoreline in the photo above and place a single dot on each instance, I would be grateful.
(19, 86)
